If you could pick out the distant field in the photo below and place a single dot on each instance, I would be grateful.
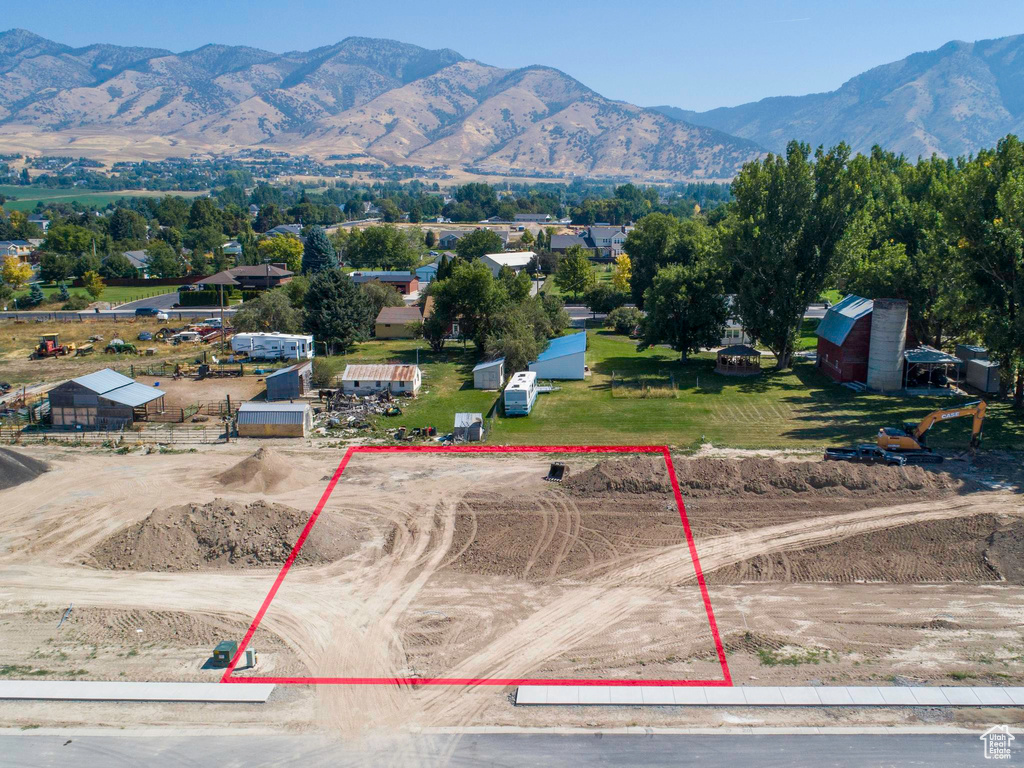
(27, 197)
(797, 408)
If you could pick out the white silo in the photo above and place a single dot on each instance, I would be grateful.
(888, 340)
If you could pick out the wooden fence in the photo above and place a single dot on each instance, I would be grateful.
(163, 436)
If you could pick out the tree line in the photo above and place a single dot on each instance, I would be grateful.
(947, 235)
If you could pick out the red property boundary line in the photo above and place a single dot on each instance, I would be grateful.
(663, 450)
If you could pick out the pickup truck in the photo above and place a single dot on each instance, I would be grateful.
(865, 454)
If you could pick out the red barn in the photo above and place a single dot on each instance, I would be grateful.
(844, 339)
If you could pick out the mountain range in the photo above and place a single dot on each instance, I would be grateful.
(359, 100)
(951, 101)
(380, 101)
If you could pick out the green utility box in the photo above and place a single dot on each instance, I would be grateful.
(224, 652)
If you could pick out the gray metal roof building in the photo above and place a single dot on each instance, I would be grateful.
(105, 399)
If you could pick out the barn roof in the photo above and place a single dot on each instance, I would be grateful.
(272, 413)
(118, 388)
(841, 317)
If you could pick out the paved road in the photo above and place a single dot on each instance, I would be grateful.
(165, 747)
(163, 301)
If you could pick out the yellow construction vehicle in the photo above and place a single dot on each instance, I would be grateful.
(911, 437)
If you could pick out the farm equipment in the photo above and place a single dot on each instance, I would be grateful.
(165, 333)
(556, 472)
(910, 438)
(393, 410)
(120, 347)
(85, 349)
(50, 346)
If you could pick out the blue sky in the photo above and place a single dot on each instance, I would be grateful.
(696, 55)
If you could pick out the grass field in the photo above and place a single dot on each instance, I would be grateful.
(116, 294)
(27, 197)
(794, 408)
(602, 271)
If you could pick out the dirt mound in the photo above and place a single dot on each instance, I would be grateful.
(978, 549)
(264, 471)
(224, 534)
(16, 468)
(763, 478)
(636, 474)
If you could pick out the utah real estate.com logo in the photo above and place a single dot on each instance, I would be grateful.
(997, 742)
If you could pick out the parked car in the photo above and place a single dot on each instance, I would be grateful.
(147, 312)
(865, 454)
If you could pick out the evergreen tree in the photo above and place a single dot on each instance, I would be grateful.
(318, 254)
(35, 296)
(430, 238)
(64, 293)
(337, 311)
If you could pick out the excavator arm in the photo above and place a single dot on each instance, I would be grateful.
(975, 409)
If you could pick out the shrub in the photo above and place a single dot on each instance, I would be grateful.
(75, 303)
(624, 319)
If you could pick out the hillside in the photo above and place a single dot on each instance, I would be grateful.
(951, 101)
(360, 99)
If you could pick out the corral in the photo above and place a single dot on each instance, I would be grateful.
(471, 567)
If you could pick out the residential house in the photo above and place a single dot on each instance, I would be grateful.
(735, 333)
(447, 240)
(138, 260)
(404, 282)
(281, 230)
(40, 221)
(427, 273)
(256, 277)
(19, 248)
(393, 322)
(374, 379)
(514, 260)
(606, 241)
(232, 248)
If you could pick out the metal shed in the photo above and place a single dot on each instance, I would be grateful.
(469, 427)
(563, 358)
(489, 374)
(983, 375)
(275, 420)
(291, 382)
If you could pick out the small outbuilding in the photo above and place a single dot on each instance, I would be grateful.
(274, 420)
(983, 375)
(396, 322)
(564, 358)
(738, 360)
(105, 399)
(291, 382)
(489, 374)
(373, 379)
(469, 427)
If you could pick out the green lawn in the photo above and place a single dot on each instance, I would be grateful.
(795, 408)
(807, 339)
(117, 294)
(602, 271)
(27, 197)
(832, 296)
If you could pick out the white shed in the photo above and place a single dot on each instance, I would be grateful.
(489, 374)
(564, 358)
(469, 427)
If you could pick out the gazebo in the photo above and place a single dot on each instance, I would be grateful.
(738, 360)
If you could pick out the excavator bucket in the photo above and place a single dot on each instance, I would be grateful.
(556, 472)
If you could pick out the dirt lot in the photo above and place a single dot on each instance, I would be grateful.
(473, 567)
(184, 392)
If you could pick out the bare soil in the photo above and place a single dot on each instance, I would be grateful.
(473, 567)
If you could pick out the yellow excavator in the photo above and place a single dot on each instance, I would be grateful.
(911, 437)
